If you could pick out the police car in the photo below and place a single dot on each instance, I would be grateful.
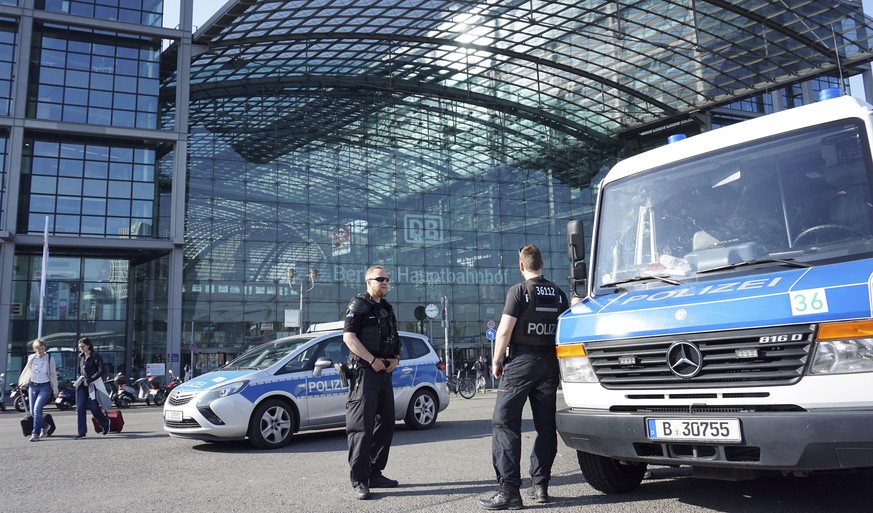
(276, 389)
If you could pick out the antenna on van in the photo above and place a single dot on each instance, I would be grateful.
(839, 62)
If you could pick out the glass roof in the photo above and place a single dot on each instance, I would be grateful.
(591, 69)
(558, 82)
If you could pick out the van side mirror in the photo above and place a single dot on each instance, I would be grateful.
(576, 253)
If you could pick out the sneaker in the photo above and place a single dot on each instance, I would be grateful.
(78, 437)
(362, 491)
(106, 428)
(34, 438)
(44, 432)
(377, 480)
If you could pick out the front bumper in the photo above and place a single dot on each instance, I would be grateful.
(234, 411)
(800, 441)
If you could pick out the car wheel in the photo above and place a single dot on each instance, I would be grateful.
(609, 475)
(422, 411)
(271, 425)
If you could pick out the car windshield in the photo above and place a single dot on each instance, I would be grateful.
(268, 354)
(794, 199)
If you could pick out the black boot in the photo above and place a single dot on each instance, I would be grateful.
(508, 497)
(540, 493)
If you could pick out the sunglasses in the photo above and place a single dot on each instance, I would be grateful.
(380, 279)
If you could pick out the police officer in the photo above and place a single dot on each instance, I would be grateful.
(529, 372)
(370, 332)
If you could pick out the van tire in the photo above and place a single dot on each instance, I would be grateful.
(422, 411)
(272, 424)
(609, 475)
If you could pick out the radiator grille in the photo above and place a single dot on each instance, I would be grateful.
(741, 358)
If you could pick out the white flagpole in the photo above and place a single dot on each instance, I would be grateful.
(45, 255)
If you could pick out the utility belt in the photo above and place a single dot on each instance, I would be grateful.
(517, 349)
(359, 363)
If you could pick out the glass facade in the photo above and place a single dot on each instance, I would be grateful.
(99, 79)
(7, 50)
(143, 12)
(84, 297)
(322, 137)
(443, 222)
(90, 189)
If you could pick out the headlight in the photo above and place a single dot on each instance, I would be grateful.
(222, 391)
(843, 356)
(574, 363)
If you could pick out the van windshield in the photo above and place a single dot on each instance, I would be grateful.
(267, 354)
(800, 198)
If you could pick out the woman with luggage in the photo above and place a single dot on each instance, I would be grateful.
(90, 377)
(40, 376)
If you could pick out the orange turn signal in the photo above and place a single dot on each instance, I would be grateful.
(571, 350)
(855, 329)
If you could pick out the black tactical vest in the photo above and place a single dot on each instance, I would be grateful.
(379, 326)
(538, 323)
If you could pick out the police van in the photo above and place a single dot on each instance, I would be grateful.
(728, 318)
(281, 387)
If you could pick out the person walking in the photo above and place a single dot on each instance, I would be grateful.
(88, 387)
(370, 332)
(479, 367)
(529, 372)
(40, 376)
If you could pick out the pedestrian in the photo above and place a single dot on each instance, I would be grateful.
(88, 386)
(40, 376)
(528, 372)
(370, 332)
(479, 367)
(187, 376)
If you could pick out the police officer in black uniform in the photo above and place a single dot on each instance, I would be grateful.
(370, 332)
(529, 372)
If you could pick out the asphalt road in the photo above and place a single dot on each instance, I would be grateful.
(445, 469)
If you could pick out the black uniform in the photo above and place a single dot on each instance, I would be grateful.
(370, 408)
(530, 372)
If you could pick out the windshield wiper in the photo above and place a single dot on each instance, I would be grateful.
(664, 279)
(790, 262)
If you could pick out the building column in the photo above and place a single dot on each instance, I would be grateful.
(180, 167)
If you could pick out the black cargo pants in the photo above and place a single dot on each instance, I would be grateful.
(369, 423)
(528, 375)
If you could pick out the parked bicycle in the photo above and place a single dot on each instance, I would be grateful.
(463, 386)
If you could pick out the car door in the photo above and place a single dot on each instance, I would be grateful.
(325, 395)
(403, 378)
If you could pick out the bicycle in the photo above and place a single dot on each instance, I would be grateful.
(463, 386)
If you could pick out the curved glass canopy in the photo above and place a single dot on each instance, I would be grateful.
(311, 119)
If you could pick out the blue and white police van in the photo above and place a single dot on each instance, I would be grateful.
(727, 323)
(278, 388)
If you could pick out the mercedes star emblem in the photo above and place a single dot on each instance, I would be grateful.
(684, 359)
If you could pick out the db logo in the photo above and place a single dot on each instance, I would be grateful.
(423, 228)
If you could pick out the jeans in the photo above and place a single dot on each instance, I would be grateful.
(83, 402)
(38, 394)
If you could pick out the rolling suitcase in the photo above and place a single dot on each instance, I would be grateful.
(27, 424)
(116, 422)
